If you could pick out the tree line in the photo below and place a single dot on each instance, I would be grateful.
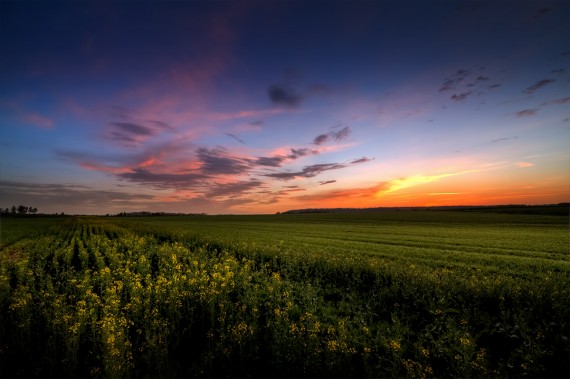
(19, 210)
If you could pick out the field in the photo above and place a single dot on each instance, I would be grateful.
(386, 294)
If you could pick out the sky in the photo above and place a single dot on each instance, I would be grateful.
(266, 106)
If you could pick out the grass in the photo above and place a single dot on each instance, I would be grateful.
(414, 293)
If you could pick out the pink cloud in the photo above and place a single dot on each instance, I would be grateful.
(524, 164)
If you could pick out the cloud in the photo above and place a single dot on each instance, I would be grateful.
(234, 189)
(564, 100)
(322, 183)
(314, 170)
(269, 161)
(503, 139)
(297, 153)
(361, 160)
(461, 96)
(524, 164)
(217, 161)
(307, 171)
(493, 86)
(539, 84)
(129, 128)
(284, 96)
(132, 134)
(319, 140)
(526, 112)
(235, 137)
(333, 136)
(454, 80)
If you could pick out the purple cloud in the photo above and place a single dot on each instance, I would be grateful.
(538, 85)
(461, 96)
(336, 136)
(526, 112)
(281, 95)
(216, 161)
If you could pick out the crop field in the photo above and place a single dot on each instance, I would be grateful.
(388, 294)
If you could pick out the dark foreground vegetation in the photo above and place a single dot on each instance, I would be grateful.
(391, 294)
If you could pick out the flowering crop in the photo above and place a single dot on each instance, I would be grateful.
(109, 297)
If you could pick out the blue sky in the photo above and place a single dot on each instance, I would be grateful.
(256, 107)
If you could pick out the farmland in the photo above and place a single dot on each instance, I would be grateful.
(411, 293)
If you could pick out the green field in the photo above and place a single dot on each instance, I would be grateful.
(384, 294)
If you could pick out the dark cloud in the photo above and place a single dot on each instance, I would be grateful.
(454, 80)
(307, 172)
(319, 140)
(216, 161)
(281, 95)
(234, 188)
(558, 71)
(133, 133)
(526, 112)
(269, 161)
(297, 153)
(461, 96)
(482, 78)
(361, 160)
(341, 134)
(314, 170)
(278, 160)
(334, 135)
(235, 137)
(257, 123)
(538, 85)
(129, 128)
(493, 86)
(322, 183)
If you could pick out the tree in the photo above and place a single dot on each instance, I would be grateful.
(13, 209)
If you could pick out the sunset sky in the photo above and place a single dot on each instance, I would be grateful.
(265, 106)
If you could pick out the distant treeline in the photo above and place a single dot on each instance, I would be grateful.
(561, 209)
(19, 210)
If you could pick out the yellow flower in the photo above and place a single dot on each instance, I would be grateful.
(332, 345)
(465, 341)
(394, 345)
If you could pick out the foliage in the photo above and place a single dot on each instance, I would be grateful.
(414, 294)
